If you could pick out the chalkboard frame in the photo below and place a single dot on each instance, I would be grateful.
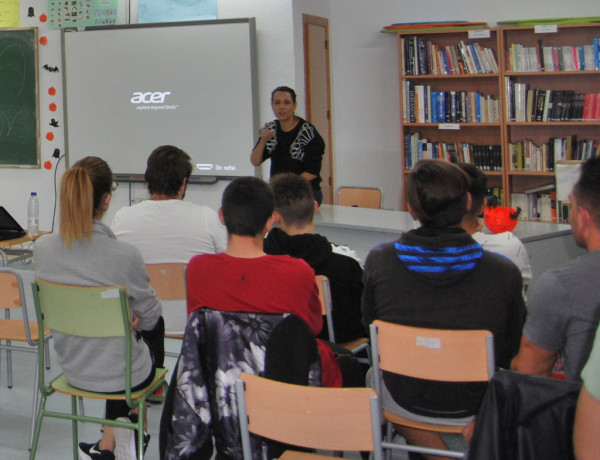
(30, 125)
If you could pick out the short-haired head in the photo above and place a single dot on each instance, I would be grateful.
(437, 192)
(246, 206)
(294, 198)
(477, 188)
(166, 168)
(83, 196)
(286, 89)
(587, 188)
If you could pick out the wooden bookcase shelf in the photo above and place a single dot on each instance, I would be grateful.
(538, 129)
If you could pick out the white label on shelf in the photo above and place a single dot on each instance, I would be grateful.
(479, 33)
(546, 29)
(454, 126)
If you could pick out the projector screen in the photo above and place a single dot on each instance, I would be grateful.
(129, 89)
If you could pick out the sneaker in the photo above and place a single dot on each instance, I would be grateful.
(93, 452)
(126, 440)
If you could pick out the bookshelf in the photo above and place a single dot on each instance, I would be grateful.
(559, 87)
(458, 101)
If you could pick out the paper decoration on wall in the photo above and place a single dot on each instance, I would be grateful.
(54, 123)
(10, 14)
(48, 164)
(43, 40)
(52, 107)
(43, 18)
(56, 153)
(30, 13)
(69, 13)
(52, 91)
(50, 69)
(50, 136)
(176, 10)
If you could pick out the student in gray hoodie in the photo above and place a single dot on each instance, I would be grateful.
(85, 252)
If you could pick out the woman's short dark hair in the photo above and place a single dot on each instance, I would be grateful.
(166, 168)
(286, 89)
(437, 193)
(247, 205)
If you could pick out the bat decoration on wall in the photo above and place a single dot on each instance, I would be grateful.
(50, 69)
(54, 123)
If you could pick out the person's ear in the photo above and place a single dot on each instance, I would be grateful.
(469, 201)
(411, 212)
(269, 224)
(315, 207)
(277, 217)
(221, 218)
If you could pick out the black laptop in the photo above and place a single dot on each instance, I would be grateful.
(9, 227)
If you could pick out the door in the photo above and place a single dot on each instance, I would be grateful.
(318, 99)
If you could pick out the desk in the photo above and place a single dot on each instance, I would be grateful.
(17, 254)
(548, 244)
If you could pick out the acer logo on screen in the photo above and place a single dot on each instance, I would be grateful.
(157, 97)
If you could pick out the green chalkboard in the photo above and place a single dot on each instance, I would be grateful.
(19, 131)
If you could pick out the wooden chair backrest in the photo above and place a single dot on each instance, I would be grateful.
(320, 418)
(326, 306)
(10, 289)
(99, 311)
(434, 354)
(359, 197)
(168, 280)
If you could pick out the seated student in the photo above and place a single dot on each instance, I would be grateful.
(437, 276)
(294, 212)
(586, 432)
(245, 279)
(85, 252)
(167, 229)
(563, 305)
(505, 243)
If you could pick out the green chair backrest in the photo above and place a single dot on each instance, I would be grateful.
(99, 311)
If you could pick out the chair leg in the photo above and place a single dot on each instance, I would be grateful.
(389, 436)
(9, 366)
(140, 429)
(38, 427)
(81, 409)
(35, 404)
(74, 428)
(47, 353)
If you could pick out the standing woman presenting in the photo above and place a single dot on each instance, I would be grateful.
(293, 144)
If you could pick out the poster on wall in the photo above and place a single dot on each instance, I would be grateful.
(9, 13)
(176, 10)
(77, 13)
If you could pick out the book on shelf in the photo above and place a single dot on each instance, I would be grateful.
(540, 57)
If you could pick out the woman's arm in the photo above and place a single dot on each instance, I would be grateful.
(256, 157)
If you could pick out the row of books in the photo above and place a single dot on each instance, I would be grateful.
(535, 206)
(486, 157)
(538, 58)
(528, 156)
(422, 57)
(524, 104)
(421, 104)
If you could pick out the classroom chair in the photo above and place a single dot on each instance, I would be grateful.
(168, 282)
(332, 419)
(100, 311)
(355, 346)
(20, 330)
(429, 354)
(360, 197)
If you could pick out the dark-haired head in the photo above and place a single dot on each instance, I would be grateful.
(166, 169)
(587, 189)
(477, 188)
(286, 89)
(437, 193)
(294, 199)
(246, 206)
(85, 191)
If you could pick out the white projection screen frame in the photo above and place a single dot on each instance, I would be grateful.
(128, 89)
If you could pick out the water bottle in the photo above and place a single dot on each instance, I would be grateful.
(33, 215)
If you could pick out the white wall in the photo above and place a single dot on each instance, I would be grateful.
(364, 84)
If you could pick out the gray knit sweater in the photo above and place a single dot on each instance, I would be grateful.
(98, 364)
